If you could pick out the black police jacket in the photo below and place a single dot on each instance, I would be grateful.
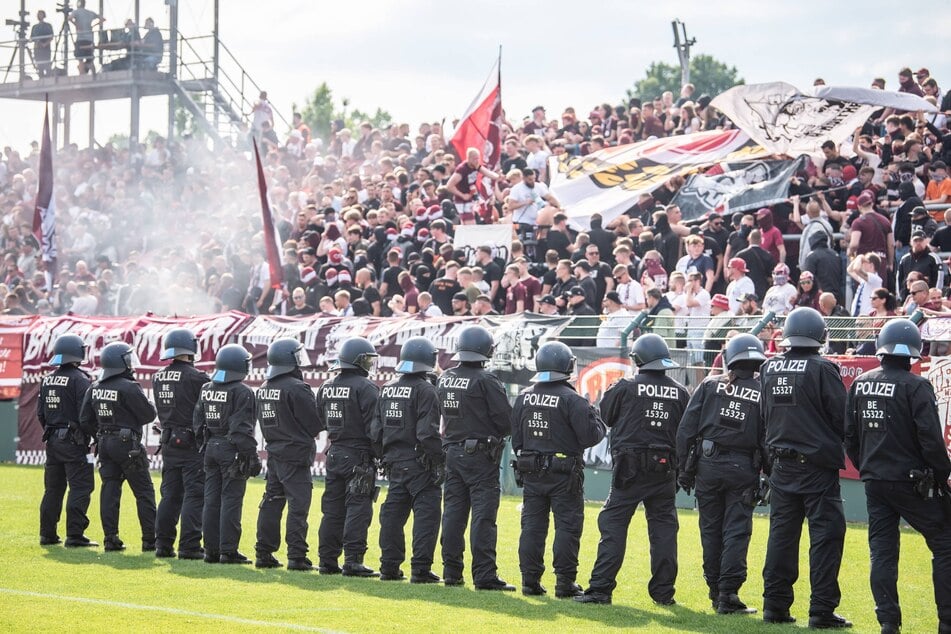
(116, 403)
(347, 405)
(644, 411)
(473, 405)
(407, 421)
(176, 388)
(226, 410)
(552, 418)
(61, 397)
(726, 412)
(803, 405)
(893, 426)
(287, 413)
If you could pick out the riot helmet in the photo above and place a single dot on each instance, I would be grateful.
(554, 361)
(232, 363)
(68, 349)
(178, 342)
(650, 352)
(418, 354)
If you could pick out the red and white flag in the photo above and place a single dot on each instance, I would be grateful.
(271, 235)
(481, 125)
(44, 210)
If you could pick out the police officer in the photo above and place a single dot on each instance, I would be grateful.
(894, 438)
(476, 415)
(803, 406)
(347, 405)
(407, 431)
(224, 420)
(720, 449)
(67, 445)
(551, 426)
(176, 388)
(287, 413)
(643, 413)
(118, 408)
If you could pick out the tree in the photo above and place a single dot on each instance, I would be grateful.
(319, 112)
(709, 75)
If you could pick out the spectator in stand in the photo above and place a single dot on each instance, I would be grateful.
(872, 233)
(839, 325)
(698, 260)
(864, 270)
(616, 320)
(920, 259)
(808, 291)
(939, 187)
(759, 263)
(813, 223)
(825, 267)
(781, 296)
(771, 236)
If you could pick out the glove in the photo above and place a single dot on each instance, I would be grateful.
(686, 482)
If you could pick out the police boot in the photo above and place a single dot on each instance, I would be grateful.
(890, 628)
(713, 594)
(148, 546)
(80, 541)
(328, 568)
(495, 584)
(425, 576)
(233, 558)
(302, 564)
(51, 540)
(532, 587)
(453, 581)
(211, 557)
(358, 570)
(944, 627)
(191, 554)
(567, 588)
(266, 560)
(112, 543)
(391, 574)
(777, 616)
(164, 551)
(731, 604)
(828, 621)
(595, 597)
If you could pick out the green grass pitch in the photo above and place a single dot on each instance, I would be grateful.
(55, 589)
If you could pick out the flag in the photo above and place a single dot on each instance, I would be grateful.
(481, 125)
(271, 238)
(610, 181)
(737, 187)
(785, 120)
(44, 210)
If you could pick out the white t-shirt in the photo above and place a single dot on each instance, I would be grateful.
(522, 192)
(631, 294)
(736, 290)
(862, 302)
(609, 332)
(538, 161)
(779, 299)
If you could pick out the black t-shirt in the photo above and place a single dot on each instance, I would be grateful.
(390, 277)
(442, 290)
(516, 162)
(559, 242)
(549, 278)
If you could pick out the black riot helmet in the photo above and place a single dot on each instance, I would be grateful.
(650, 352)
(68, 349)
(899, 338)
(804, 328)
(743, 348)
(554, 361)
(475, 344)
(356, 353)
(418, 354)
(232, 363)
(284, 356)
(115, 359)
(178, 342)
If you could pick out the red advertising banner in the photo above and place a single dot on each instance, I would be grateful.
(12, 330)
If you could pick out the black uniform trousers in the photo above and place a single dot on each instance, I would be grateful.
(66, 465)
(888, 502)
(411, 488)
(472, 484)
(803, 491)
(561, 495)
(224, 498)
(115, 466)
(726, 521)
(289, 485)
(657, 491)
(346, 515)
(183, 495)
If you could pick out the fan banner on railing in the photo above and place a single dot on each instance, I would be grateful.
(469, 238)
(610, 181)
(737, 187)
(784, 120)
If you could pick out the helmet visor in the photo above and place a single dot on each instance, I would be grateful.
(131, 359)
(367, 361)
(302, 358)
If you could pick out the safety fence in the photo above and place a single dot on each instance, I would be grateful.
(26, 347)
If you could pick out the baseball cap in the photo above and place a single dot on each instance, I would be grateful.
(344, 276)
(939, 165)
(852, 202)
(919, 211)
(613, 296)
(460, 297)
(720, 301)
(576, 291)
(307, 275)
(749, 297)
(918, 234)
(865, 199)
(763, 211)
(548, 299)
(335, 256)
(738, 263)
(330, 274)
(781, 269)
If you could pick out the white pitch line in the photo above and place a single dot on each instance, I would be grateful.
(175, 611)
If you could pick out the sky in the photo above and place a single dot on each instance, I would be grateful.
(425, 60)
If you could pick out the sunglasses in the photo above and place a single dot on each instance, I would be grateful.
(805, 281)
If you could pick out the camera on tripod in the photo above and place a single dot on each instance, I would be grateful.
(64, 8)
(22, 24)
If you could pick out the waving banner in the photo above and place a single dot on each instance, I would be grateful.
(609, 182)
(785, 120)
(738, 187)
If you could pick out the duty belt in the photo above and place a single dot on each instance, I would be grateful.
(788, 455)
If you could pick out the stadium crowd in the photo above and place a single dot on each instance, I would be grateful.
(366, 220)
